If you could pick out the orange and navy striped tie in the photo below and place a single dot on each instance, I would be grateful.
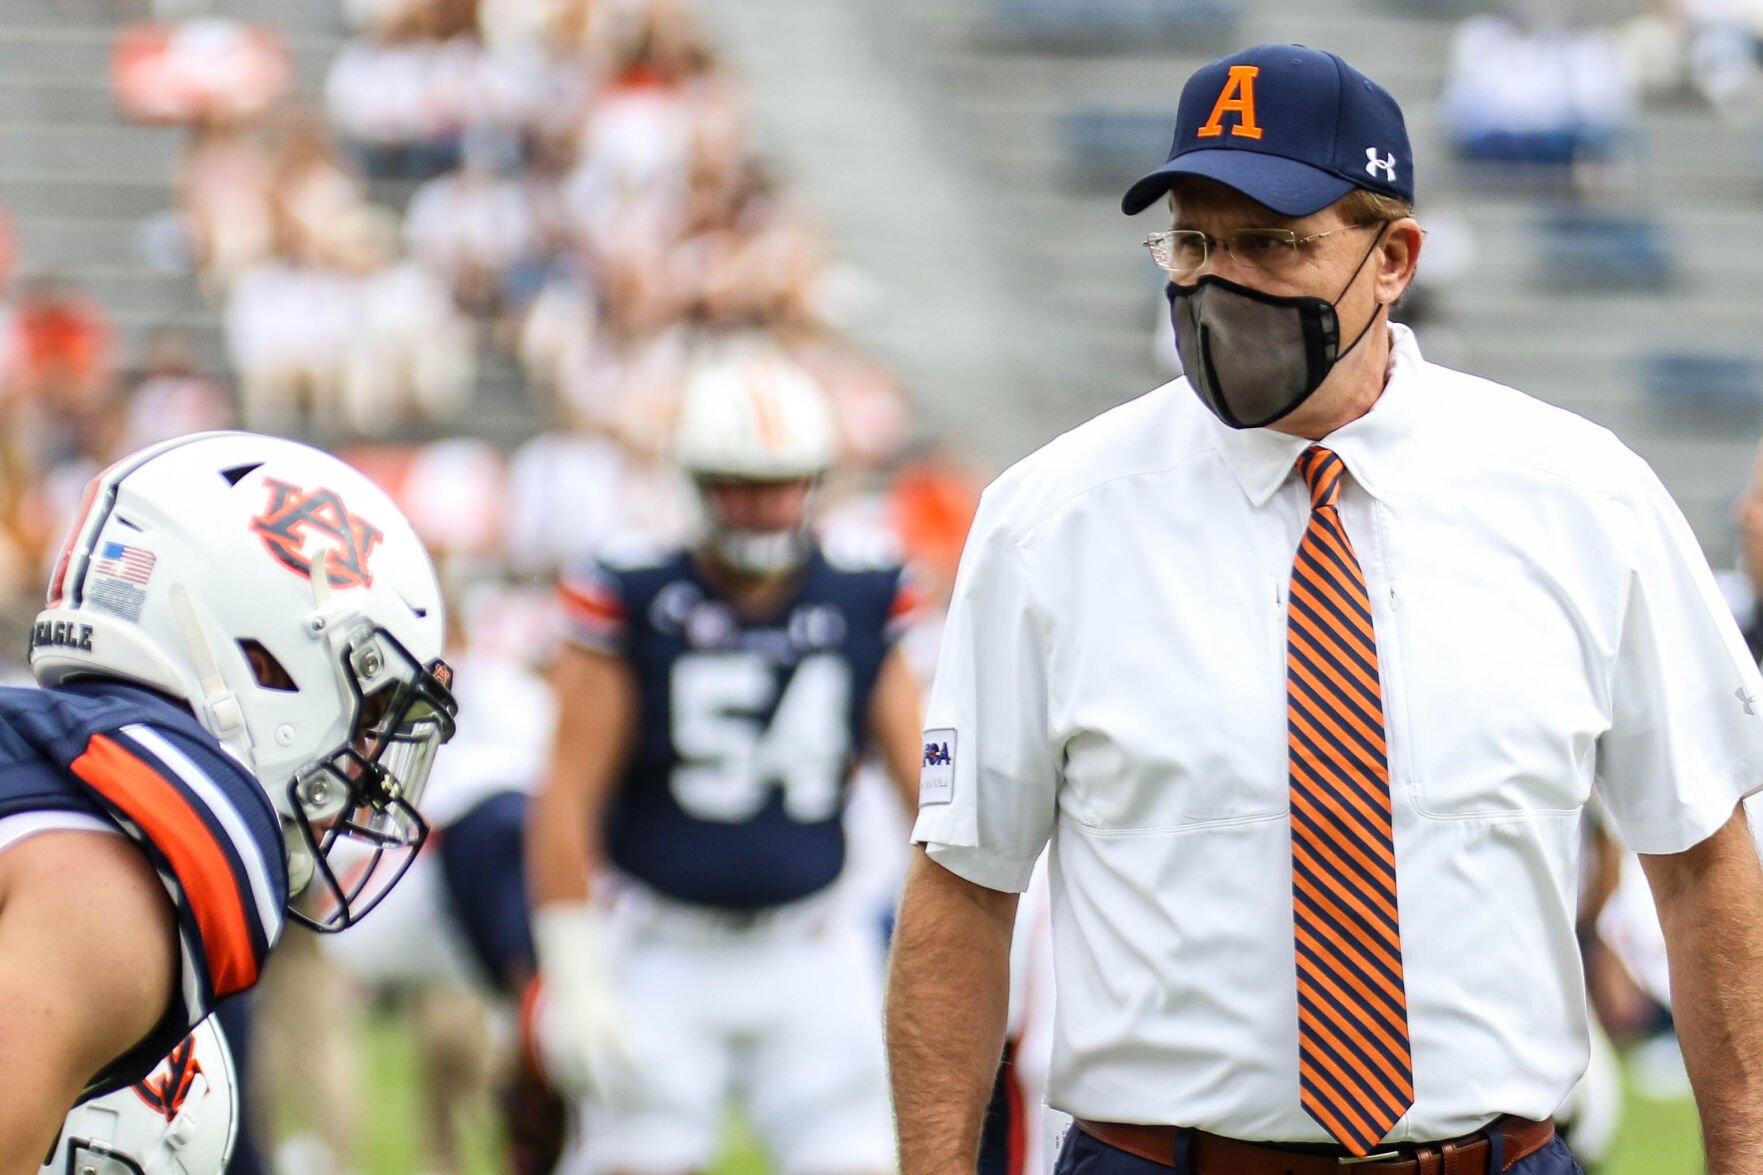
(1354, 1067)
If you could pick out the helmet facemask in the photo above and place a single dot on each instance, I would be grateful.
(88, 1156)
(756, 550)
(751, 420)
(355, 826)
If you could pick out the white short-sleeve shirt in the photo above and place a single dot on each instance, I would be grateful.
(1112, 677)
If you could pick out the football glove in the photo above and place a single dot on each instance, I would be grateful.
(578, 1028)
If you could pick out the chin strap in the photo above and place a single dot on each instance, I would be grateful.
(225, 717)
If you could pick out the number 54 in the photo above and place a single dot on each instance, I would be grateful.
(731, 759)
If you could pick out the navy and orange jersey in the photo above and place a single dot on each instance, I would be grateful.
(145, 763)
(748, 727)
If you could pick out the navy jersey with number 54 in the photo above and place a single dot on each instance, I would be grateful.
(748, 727)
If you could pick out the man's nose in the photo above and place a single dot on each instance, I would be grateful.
(1221, 261)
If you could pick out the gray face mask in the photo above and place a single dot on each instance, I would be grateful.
(1252, 357)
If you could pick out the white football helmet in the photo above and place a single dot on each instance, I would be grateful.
(283, 596)
(753, 416)
(181, 1119)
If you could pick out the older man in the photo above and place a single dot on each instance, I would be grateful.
(1306, 665)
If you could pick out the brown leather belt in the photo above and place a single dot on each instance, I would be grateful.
(1211, 1154)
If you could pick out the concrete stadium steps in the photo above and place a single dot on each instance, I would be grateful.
(1621, 322)
(60, 54)
(135, 328)
(70, 15)
(132, 289)
(69, 100)
(26, 195)
(117, 148)
(48, 51)
(60, 243)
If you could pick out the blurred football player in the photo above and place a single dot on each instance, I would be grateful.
(686, 839)
(242, 694)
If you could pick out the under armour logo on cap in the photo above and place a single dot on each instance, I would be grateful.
(1286, 126)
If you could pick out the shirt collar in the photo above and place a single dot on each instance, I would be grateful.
(1261, 459)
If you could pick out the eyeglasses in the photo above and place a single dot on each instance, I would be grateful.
(1182, 251)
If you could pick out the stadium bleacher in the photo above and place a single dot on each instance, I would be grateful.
(1030, 136)
(1007, 132)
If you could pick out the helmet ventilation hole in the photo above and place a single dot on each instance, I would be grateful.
(266, 669)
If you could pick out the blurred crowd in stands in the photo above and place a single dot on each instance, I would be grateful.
(1559, 82)
(67, 408)
(513, 220)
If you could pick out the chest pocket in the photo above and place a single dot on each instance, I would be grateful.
(1491, 687)
(1178, 721)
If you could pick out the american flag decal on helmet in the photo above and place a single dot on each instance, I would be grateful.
(134, 564)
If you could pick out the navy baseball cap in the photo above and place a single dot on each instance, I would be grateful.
(1289, 127)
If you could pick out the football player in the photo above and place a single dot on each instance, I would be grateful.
(241, 696)
(686, 839)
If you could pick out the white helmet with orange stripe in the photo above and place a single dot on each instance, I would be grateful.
(755, 433)
(283, 596)
(180, 1119)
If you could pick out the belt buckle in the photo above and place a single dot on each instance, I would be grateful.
(1374, 1157)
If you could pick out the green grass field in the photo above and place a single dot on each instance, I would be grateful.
(1656, 1138)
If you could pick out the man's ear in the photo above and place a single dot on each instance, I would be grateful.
(1397, 255)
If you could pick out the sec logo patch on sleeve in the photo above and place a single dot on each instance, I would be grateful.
(936, 780)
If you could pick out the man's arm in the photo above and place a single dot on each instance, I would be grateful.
(578, 1030)
(896, 724)
(948, 1000)
(596, 721)
(1710, 900)
(88, 964)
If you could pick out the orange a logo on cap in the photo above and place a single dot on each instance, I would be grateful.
(1238, 98)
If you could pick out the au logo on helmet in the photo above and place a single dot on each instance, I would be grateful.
(294, 516)
(168, 1086)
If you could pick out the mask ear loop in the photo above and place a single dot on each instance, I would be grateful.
(1381, 306)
